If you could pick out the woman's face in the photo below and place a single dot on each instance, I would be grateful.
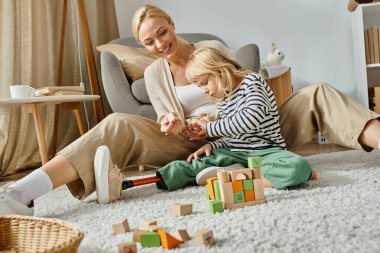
(158, 37)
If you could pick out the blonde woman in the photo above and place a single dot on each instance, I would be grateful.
(134, 140)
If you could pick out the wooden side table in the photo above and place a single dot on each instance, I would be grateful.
(33, 106)
(281, 86)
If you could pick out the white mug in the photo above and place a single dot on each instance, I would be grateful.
(21, 91)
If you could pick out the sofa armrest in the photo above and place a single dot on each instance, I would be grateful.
(248, 56)
(116, 86)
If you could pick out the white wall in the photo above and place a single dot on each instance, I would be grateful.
(314, 35)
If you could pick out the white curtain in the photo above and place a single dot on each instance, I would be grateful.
(29, 53)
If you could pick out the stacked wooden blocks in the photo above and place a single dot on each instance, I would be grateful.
(236, 188)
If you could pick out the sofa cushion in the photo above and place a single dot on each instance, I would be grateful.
(139, 91)
(133, 60)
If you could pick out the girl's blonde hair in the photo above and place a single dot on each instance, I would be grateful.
(147, 11)
(207, 61)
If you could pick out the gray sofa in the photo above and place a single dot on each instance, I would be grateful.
(132, 98)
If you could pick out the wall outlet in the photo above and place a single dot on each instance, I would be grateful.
(321, 139)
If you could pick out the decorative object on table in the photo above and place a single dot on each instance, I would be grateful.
(21, 91)
(59, 91)
(353, 4)
(274, 57)
(33, 234)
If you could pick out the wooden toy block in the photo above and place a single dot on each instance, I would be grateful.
(137, 235)
(204, 237)
(226, 193)
(239, 197)
(210, 187)
(127, 247)
(216, 206)
(153, 228)
(259, 189)
(168, 241)
(182, 209)
(247, 185)
(250, 203)
(254, 162)
(216, 189)
(240, 174)
(173, 117)
(150, 239)
(256, 173)
(182, 235)
(145, 223)
(237, 186)
(222, 176)
(120, 227)
(249, 195)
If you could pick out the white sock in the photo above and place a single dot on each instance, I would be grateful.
(31, 187)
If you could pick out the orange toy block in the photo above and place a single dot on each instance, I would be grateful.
(120, 226)
(168, 241)
(210, 187)
(127, 247)
(259, 189)
(182, 235)
(249, 195)
(237, 186)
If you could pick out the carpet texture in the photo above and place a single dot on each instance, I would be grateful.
(340, 212)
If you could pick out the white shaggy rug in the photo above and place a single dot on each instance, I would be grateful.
(338, 213)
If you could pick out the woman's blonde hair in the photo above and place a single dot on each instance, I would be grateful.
(207, 61)
(147, 11)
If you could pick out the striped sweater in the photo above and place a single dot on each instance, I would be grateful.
(248, 118)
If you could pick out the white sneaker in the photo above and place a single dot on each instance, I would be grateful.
(9, 205)
(108, 177)
(211, 171)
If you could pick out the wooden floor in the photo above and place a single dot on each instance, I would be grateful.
(310, 148)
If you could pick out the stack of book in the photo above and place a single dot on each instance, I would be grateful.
(59, 91)
(372, 45)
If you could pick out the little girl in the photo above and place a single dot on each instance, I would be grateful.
(248, 125)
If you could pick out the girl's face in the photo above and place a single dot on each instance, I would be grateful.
(210, 87)
(158, 37)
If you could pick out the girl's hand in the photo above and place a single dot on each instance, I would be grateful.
(196, 133)
(171, 127)
(205, 149)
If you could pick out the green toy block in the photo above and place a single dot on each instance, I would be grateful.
(254, 162)
(216, 206)
(150, 239)
(247, 184)
(207, 193)
(239, 197)
(216, 190)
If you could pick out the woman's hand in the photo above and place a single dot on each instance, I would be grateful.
(173, 127)
(205, 149)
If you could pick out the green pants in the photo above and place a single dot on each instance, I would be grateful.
(281, 168)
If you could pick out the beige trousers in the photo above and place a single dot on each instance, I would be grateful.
(134, 140)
